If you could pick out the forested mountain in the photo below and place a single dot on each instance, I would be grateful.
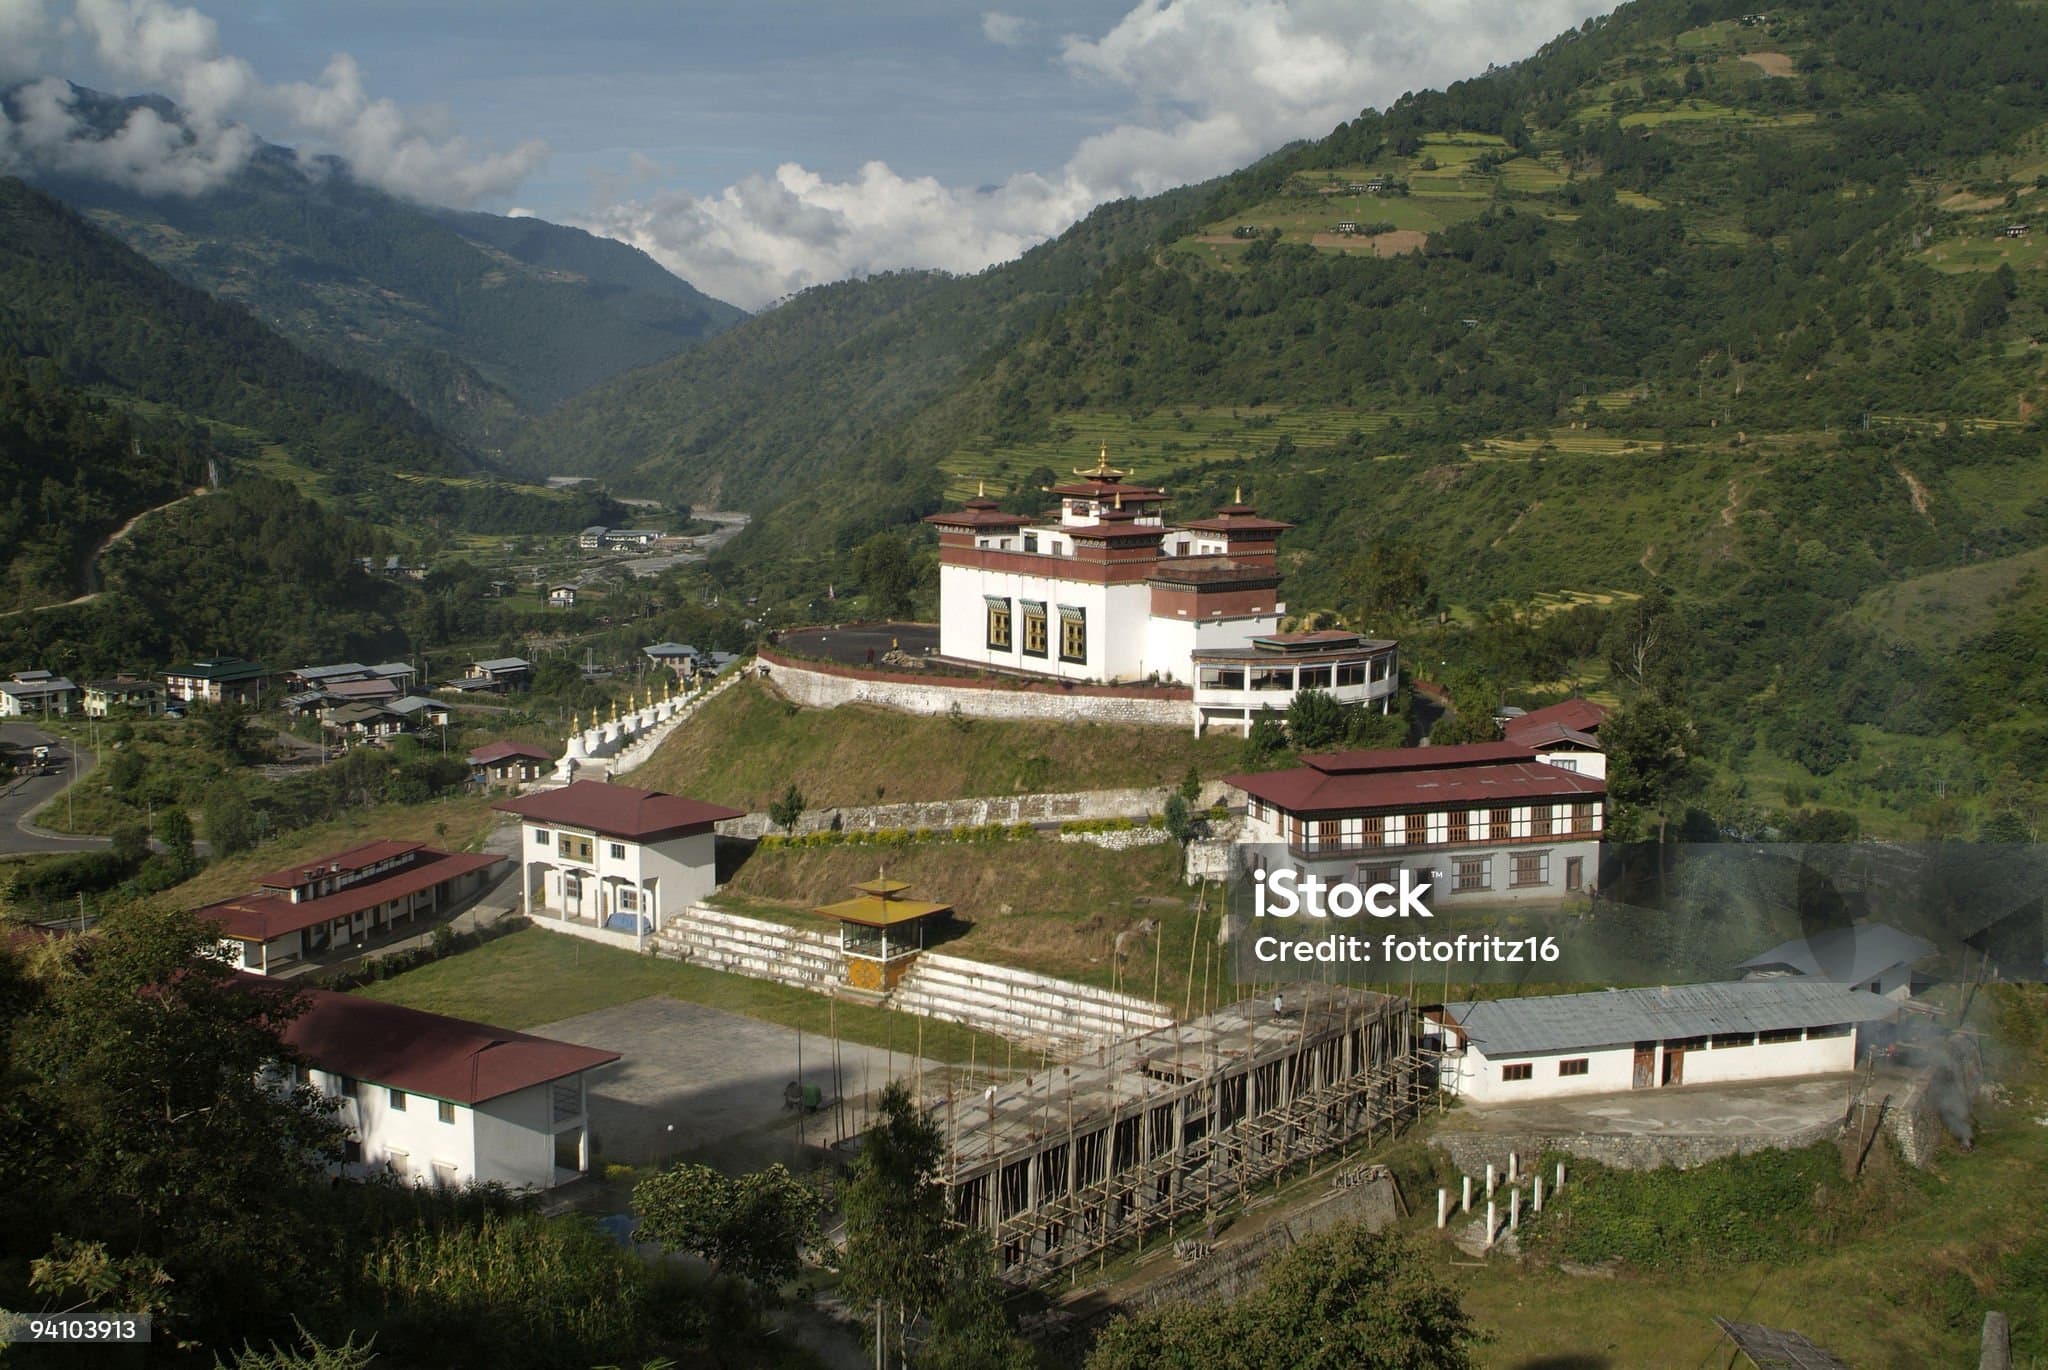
(110, 320)
(757, 414)
(477, 319)
(1744, 308)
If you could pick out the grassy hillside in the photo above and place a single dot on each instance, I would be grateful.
(475, 318)
(749, 745)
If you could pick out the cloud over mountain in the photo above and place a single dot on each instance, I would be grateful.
(175, 50)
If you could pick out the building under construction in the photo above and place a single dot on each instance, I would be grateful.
(1064, 1163)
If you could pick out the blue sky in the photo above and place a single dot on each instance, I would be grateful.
(753, 148)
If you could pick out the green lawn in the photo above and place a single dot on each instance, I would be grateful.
(531, 977)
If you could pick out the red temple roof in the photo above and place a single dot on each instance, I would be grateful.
(266, 917)
(619, 810)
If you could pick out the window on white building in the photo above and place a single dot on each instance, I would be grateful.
(629, 899)
(446, 1111)
(1222, 677)
(540, 837)
(1472, 876)
(998, 623)
(1315, 678)
(1521, 1070)
(618, 851)
(1350, 673)
(1578, 1065)
(1564, 763)
(1530, 868)
(1034, 627)
(398, 1101)
(1073, 634)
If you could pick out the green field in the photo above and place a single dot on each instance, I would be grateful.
(531, 977)
(1939, 611)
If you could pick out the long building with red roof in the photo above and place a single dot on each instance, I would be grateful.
(445, 1101)
(1483, 822)
(304, 911)
(1103, 590)
(613, 856)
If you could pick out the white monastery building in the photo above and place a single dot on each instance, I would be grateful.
(614, 856)
(1611, 1041)
(1483, 823)
(1105, 591)
(444, 1101)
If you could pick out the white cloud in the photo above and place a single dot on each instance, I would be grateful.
(175, 50)
(1006, 29)
(1214, 84)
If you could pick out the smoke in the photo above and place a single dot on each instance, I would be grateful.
(175, 51)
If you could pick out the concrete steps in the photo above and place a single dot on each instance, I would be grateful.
(1064, 1016)
(752, 947)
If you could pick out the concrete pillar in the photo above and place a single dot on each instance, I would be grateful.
(1514, 1210)
(1538, 1195)
(1489, 1224)
(1443, 1208)
(1489, 1179)
(1560, 1175)
(1465, 1202)
(1514, 1167)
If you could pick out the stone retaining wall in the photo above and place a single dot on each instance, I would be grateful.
(946, 814)
(823, 685)
(1471, 1152)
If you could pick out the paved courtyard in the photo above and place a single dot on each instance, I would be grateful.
(699, 1084)
(1772, 1108)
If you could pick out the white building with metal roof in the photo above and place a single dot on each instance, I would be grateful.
(1611, 1041)
(1872, 956)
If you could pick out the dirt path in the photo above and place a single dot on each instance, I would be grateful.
(1915, 489)
(112, 540)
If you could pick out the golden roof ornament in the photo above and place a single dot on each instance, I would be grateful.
(575, 722)
(1103, 470)
(1237, 495)
(981, 489)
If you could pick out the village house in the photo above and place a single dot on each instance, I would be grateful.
(1567, 734)
(562, 597)
(615, 856)
(679, 657)
(591, 538)
(1482, 823)
(218, 680)
(498, 675)
(332, 904)
(510, 763)
(397, 675)
(640, 538)
(362, 722)
(419, 711)
(443, 1101)
(28, 694)
(1610, 1041)
(123, 695)
(1104, 590)
(1867, 956)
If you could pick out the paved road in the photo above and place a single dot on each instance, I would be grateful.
(19, 798)
(852, 643)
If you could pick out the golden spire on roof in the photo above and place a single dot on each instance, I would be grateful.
(981, 489)
(1119, 499)
(1103, 470)
(575, 722)
(1237, 495)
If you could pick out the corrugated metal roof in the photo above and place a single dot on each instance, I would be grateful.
(1846, 956)
(1565, 1022)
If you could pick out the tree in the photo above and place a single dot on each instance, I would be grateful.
(230, 822)
(1346, 1299)
(223, 730)
(754, 1228)
(157, 1161)
(887, 573)
(785, 812)
(1646, 644)
(1180, 825)
(905, 1266)
(131, 844)
(1191, 784)
(1265, 739)
(1650, 749)
(1314, 720)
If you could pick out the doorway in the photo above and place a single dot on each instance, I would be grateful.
(1674, 1065)
(1646, 1066)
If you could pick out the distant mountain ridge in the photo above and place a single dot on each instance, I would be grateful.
(480, 320)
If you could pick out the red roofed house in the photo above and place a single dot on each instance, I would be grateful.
(1486, 822)
(305, 910)
(615, 857)
(447, 1102)
(1566, 734)
(510, 763)
(1105, 590)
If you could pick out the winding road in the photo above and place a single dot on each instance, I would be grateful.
(112, 540)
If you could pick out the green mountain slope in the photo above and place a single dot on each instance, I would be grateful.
(758, 413)
(1681, 303)
(110, 320)
(477, 319)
